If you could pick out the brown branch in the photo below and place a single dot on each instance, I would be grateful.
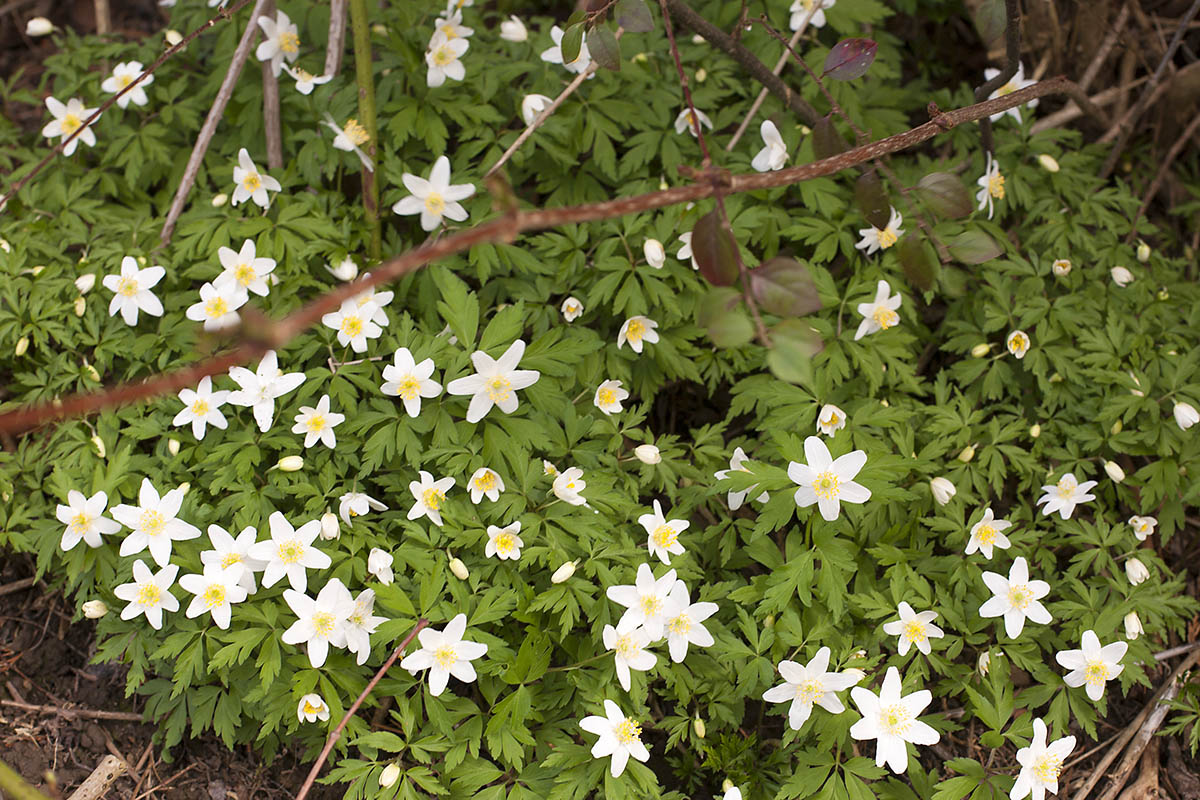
(337, 732)
(74, 713)
(683, 80)
(1106, 46)
(271, 124)
(17, 586)
(1161, 175)
(258, 336)
(336, 44)
(225, 13)
(1012, 44)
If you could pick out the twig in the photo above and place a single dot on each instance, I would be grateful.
(738, 52)
(72, 713)
(210, 123)
(694, 119)
(1072, 111)
(337, 732)
(265, 335)
(97, 784)
(271, 124)
(1161, 175)
(1163, 655)
(1012, 44)
(1106, 46)
(1126, 124)
(364, 76)
(763, 337)
(337, 37)
(17, 586)
(103, 17)
(224, 13)
(168, 781)
(1144, 734)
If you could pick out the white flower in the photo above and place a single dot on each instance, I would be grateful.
(568, 485)
(218, 304)
(319, 622)
(913, 628)
(802, 8)
(684, 624)
(1143, 527)
(305, 80)
(504, 542)
(1016, 82)
(554, 54)
(317, 424)
(201, 407)
(38, 26)
(686, 122)
(875, 239)
(131, 290)
(991, 186)
(312, 708)
(289, 552)
(450, 26)
(149, 594)
(1186, 415)
(353, 324)
(647, 601)
(281, 40)
(379, 564)
(609, 396)
(443, 60)
(1048, 163)
(1121, 276)
(231, 553)
(986, 534)
(892, 720)
(628, 642)
(1018, 343)
(1133, 626)
(1114, 471)
(655, 255)
(1061, 268)
(346, 270)
(533, 105)
(1015, 598)
(410, 381)
(828, 482)
(215, 591)
(737, 464)
(636, 331)
(880, 314)
(1093, 665)
(361, 623)
(356, 504)
(67, 120)
(663, 533)
(831, 419)
(436, 197)
(942, 489)
(445, 653)
(389, 775)
(620, 737)
(647, 454)
(571, 309)
(1040, 764)
(1136, 571)
(805, 685)
(85, 520)
(1065, 495)
(513, 30)
(564, 572)
(485, 481)
(686, 250)
(774, 153)
(495, 382)
(252, 184)
(124, 74)
(733, 792)
(259, 389)
(430, 495)
(94, 609)
(245, 268)
(154, 523)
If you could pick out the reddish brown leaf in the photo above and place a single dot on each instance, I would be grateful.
(715, 250)
(872, 200)
(850, 59)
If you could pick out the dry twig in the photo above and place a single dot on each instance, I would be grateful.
(75, 713)
(1012, 45)
(336, 41)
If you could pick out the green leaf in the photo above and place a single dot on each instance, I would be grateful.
(872, 200)
(785, 287)
(945, 194)
(918, 263)
(721, 314)
(793, 344)
(605, 48)
(634, 16)
(572, 41)
(974, 247)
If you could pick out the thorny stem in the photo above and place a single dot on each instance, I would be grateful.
(683, 82)
(366, 111)
(258, 334)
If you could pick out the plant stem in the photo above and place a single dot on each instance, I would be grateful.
(366, 113)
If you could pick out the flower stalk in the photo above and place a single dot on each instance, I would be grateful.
(366, 117)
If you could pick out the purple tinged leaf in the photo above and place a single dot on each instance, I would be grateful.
(634, 16)
(783, 286)
(945, 194)
(873, 200)
(919, 265)
(722, 315)
(605, 48)
(827, 142)
(850, 59)
(715, 250)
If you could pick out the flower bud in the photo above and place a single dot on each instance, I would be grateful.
(641, 58)
(1143, 251)
(94, 609)
(1056, 378)
(346, 270)
(1163, 294)
(1061, 268)
(942, 490)
(564, 572)
(769, 622)
(533, 105)
(1121, 276)
(173, 37)
(1185, 415)
(701, 75)
(647, 454)
(697, 39)
(698, 727)
(389, 775)
(184, 488)
(98, 443)
(984, 663)
(459, 569)
(379, 29)
(1136, 571)
(980, 350)
(220, 200)
(80, 306)
(84, 283)
(656, 256)
(1114, 471)
(173, 446)
(1048, 163)
(549, 469)
(22, 346)
(5, 246)
(290, 464)
(38, 26)
(1133, 626)
(1117, 427)
(513, 30)
(330, 529)
(855, 673)
(967, 454)
(726, 785)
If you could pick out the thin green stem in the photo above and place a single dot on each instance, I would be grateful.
(586, 661)
(363, 75)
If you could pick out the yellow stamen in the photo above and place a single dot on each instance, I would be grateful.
(996, 186)
(251, 182)
(433, 498)
(214, 595)
(216, 307)
(827, 486)
(895, 720)
(635, 331)
(435, 204)
(127, 287)
(149, 595)
(352, 327)
(885, 317)
(244, 273)
(70, 123)
(323, 623)
(809, 690)
(356, 133)
(289, 42)
(914, 631)
(486, 481)
(315, 423)
(200, 408)
(628, 732)
(499, 388)
(152, 523)
(291, 551)
(445, 656)
(887, 237)
(665, 536)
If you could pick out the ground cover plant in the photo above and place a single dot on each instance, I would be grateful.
(770, 487)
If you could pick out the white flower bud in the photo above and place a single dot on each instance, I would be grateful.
(98, 443)
(1061, 267)
(726, 785)
(548, 468)
(1114, 471)
(290, 464)
(1056, 378)
(942, 490)
(656, 256)
(647, 454)
(641, 58)
(379, 29)
(697, 39)
(855, 673)
(701, 75)
(563, 573)
(1185, 415)
(1117, 427)
(1136, 571)
(980, 350)
(513, 30)
(1143, 251)
(173, 446)
(571, 308)
(698, 727)
(84, 283)
(1121, 276)
(173, 37)
(141, 260)
(39, 26)
(1048, 163)
(967, 454)
(23, 346)
(1163, 294)
(5, 246)
(330, 529)
(1035, 430)
(459, 569)
(220, 200)
(769, 622)
(389, 775)
(185, 487)
(80, 306)
(94, 609)
(533, 105)
(1133, 626)
(984, 663)
(347, 270)
(91, 371)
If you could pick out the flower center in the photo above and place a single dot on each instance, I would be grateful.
(309, 708)
(409, 388)
(214, 595)
(505, 543)
(200, 408)
(485, 481)
(606, 397)
(986, 534)
(316, 423)
(809, 690)
(499, 388)
(665, 536)
(1095, 672)
(1019, 343)
(1019, 596)
(229, 559)
(826, 486)
(352, 326)
(1066, 488)
(680, 625)
(651, 605)
(216, 307)
(323, 623)
(1007, 88)
(244, 273)
(303, 75)
(914, 631)
(834, 419)
(887, 237)
(149, 595)
(572, 308)
(432, 498)
(71, 123)
(445, 656)
(635, 331)
(625, 648)
(444, 55)
(127, 287)
(884, 316)
(628, 732)
(996, 186)
(356, 133)
(80, 522)
(124, 80)
(1046, 767)
(291, 551)
(434, 203)
(152, 523)
(251, 182)
(450, 29)
(895, 720)
(289, 42)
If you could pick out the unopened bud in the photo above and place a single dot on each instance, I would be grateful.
(1136, 571)
(1048, 163)
(980, 350)
(1133, 626)
(22, 346)
(985, 662)
(80, 306)
(701, 75)
(641, 58)
(173, 37)
(185, 487)
(39, 26)
(290, 464)
(173, 446)
(647, 454)
(5, 246)
(98, 443)
(1114, 471)
(884, 403)
(91, 371)
(94, 609)
(1056, 378)
(942, 490)
(220, 200)
(459, 569)
(564, 572)
(769, 622)
(379, 29)
(698, 727)
(1163, 294)
(855, 673)
(1143, 251)
(726, 785)
(967, 454)
(330, 529)
(1035, 430)
(389, 775)
(38, 270)
(1117, 427)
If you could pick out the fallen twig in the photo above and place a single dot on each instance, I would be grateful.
(73, 713)
(1106, 46)
(1163, 655)
(1161, 175)
(95, 785)
(17, 586)
(1072, 111)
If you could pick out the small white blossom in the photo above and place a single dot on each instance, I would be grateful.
(281, 40)
(942, 490)
(68, 119)
(218, 304)
(379, 564)
(1041, 764)
(737, 464)
(149, 594)
(436, 197)
(85, 520)
(891, 719)
(245, 268)
(913, 628)
(312, 707)
(656, 255)
(1093, 665)
(361, 623)
(320, 622)
(571, 309)
(1186, 415)
(806, 685)
(1121, 276)
(354, 325)
(609, 396)
(875, 239)
(317, 424)
(445, 653)
(495, 382)
(831, 419)
(444, 60)
(504, 542)
(513, 29)
(647, 454)
(215, 591)
(554, 54)
(1136, 571)
(346, 270)
(774, 153)
(686, 122)
(880, 314)
(1016, 598)
(356, 504)
(568, 486)
(485, 482)
(533, 105)
(259, 389)
(685, 622)
(252, 184)
(620, 737)
(131, 290)
(410, 381)
(647, 601)
(1065, 495)
(39, 26)
(289, 552)
(305, 80)
(231, 553)
(686, 250)
(1017, 81)
(124, 74)
(1133, 626)
(430, 495)
(628, 643)
(800, 9)
(154, 523)
(1018, 343)
(826, 481)
(663, 533)
(1143, 527)
(986, 534)
(201, 407)
(1061, 268)
(991, 186)
(637, 331)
